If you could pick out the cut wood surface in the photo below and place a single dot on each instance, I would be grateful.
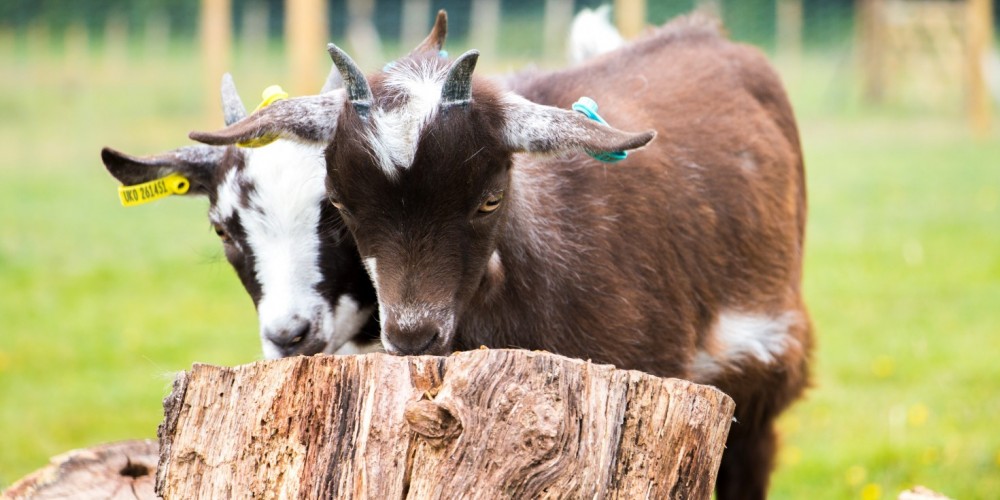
(122, 470)
(478, 424)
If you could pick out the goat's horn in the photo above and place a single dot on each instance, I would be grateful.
(358, 91)
(232, 106)
(457, 88)
(435, 40)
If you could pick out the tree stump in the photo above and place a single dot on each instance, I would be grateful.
(478, 424)
(122, 470)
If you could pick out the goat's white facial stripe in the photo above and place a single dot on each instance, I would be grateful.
(738, 336)
(280, 217)
(396, 132)
(228, 197)
(372, 265)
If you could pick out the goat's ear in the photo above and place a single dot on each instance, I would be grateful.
(311, 119)
(535, 128)
(198, 163)
(435, 40)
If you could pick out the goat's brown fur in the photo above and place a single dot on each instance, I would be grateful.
(640, 264)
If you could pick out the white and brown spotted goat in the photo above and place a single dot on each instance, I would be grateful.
(289, 248)
(482, 221)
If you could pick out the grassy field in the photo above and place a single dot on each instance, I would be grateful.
(101, 305)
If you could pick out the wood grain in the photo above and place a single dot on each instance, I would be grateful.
(122, 470)
(486, 423)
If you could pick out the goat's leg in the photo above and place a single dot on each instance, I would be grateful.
(747, 463)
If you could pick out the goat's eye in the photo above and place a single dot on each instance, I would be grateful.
(491, 204)
(221, 233)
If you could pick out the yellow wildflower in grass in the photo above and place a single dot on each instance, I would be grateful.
(871, 491)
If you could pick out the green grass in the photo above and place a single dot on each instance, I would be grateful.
(100, 305)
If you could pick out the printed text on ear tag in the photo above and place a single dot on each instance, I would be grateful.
(146, 192)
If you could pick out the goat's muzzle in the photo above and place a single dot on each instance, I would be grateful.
(415, 334)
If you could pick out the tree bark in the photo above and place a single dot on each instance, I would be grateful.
(478, 424)
(122, 470)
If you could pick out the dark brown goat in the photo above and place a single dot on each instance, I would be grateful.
(684, 260)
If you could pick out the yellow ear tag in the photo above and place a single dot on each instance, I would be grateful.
(270, 95)
(146, 192)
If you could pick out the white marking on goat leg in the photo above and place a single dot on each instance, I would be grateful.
(738, 337)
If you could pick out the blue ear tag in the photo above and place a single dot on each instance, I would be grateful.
(588, 108)
(443, 54)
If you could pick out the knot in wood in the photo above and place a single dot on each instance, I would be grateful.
(432, 421)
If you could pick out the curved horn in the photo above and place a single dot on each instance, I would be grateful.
(435, 40)
(536, 128)
(311, 119)
(457, 88)
(232, 105)
(358, 91)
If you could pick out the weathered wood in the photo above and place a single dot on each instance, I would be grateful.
(479, 424)
(116, 470)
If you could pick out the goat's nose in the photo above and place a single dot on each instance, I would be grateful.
(289, 335)
(413, 338)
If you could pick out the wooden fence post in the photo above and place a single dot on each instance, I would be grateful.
(980, 43)
(416, 18)
(305, 45)
(631, 17)
(790, 32)
(558, 16)
(484, 20)
(477, 424)
(216, 44)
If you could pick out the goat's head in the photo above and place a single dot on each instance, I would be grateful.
(288, 246)
(419, 163)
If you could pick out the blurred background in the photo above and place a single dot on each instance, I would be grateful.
(100, 305)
